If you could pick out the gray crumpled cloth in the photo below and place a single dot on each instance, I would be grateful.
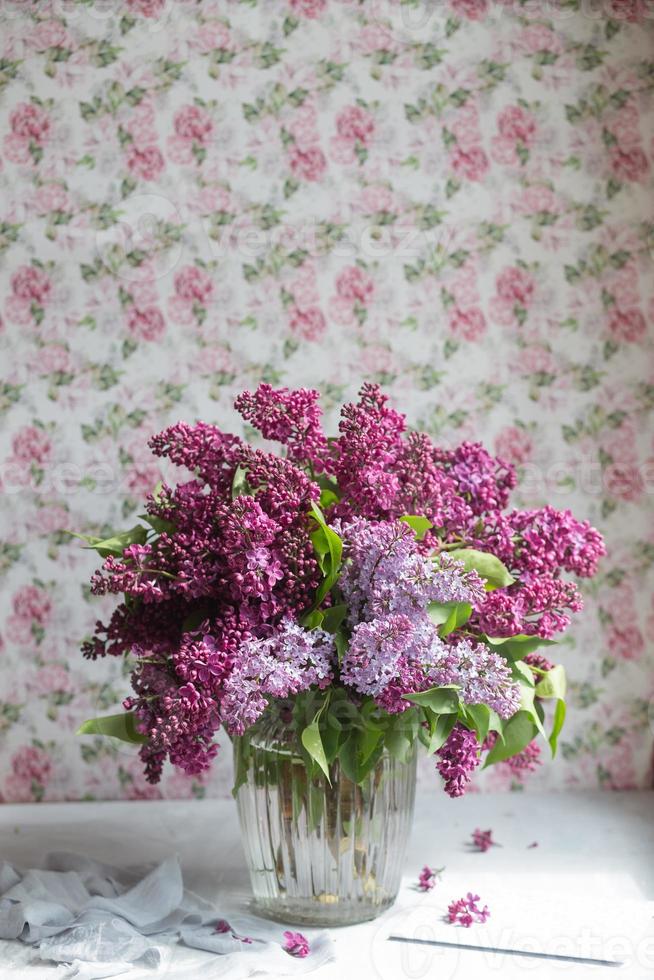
(101, 921)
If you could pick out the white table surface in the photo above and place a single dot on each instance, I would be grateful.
(587, 889)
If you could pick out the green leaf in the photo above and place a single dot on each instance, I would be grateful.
(312, 742)
(478, 716)
(115, 726)
(116, 544)
(312, 620)
(559, 718)
(329, 548)
(334, 543)
(522, 673)
(518, 733)
(419, 525)
(158, 524)
(368, 709)
(525, 678)
(242, 752)
(368, 742)
(440, 727)
(441, 700)
(517, 647)
(194, 619)
(340, 643)
(398, 745)
(333, 617)
(552, 684)
(439, 612)
(449, 615)
(327, 498)
(350, 756)
(489, 567)
(331, 736)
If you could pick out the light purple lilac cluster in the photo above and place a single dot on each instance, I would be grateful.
(213, 599)
(290, 660)
(395, 648)
(384, 572)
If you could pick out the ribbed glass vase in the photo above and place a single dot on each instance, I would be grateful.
(320, 854)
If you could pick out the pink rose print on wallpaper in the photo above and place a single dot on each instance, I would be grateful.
(31, 291)
(517, 129)
(355, 128)
(30, 128)
(197, 197)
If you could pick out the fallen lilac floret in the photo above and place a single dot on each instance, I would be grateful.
(295, 944)
(223, 927)
(465, 911)
(483, 840)
(428, 878)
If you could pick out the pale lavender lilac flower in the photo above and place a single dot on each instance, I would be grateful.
(290, 660)
(482, 676)
(394, 648)
(372, 658)
(384, 572)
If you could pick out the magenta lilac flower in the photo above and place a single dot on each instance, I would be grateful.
(296, 944)
(458, 759)
(466, 911)
(294, 581)
(291, 418)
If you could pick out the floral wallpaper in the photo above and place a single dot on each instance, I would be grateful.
(453, 199)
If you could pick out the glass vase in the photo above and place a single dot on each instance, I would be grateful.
(320, 853)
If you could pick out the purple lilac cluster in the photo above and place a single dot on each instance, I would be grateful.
(458, 759)
(292, 418)
(395, 648)
(537, 546)
(213, 598)
(223, 573)
(384, 472)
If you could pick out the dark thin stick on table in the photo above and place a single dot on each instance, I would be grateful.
(506, 952)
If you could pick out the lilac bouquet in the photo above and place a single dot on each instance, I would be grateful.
(370, 586)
